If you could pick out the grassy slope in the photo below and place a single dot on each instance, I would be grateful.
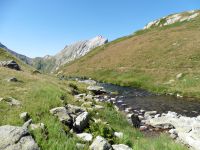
(148, 59)
(39, 93)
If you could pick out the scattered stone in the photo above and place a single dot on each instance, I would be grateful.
(81, 121)
(121, 147)
(149, 113)
(98, 107)
(10, 64)
(74, 109)
(24, 116)
(80, 146)
(118, 134)
(86, 137)
(15, 138)
(179, 95)
(37, 126)
(187, 129)
(11, 101)
(97, 90)
(142, 111)
(13, 79)
(143, 128)
(100, 144)
(141, 117)
(180, 75)
(62, 115)
(87, 104)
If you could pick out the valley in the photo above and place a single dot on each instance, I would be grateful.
(138, 92)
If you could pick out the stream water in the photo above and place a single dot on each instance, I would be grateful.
(140, 99)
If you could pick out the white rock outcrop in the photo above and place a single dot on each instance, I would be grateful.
(171, 19)
(186, 129)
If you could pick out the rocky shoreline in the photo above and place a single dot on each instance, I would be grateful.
(180, 128)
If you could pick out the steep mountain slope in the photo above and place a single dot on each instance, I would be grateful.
(6, 56)
(69, 53)
(163, 58)
(24, 58)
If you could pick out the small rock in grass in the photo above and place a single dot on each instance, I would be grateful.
(13, 79)
(118, 134)
(24, 116)
(86, 137)
(11, 101)
(37, 126)
(80, 146)
(121, 147)
(98, 107)
(100, 144)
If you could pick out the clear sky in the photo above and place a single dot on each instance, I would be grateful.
(40, 27)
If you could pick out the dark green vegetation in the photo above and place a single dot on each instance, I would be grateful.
(150, 59)
(39, 93)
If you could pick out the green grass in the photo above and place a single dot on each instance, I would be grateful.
(39, 93)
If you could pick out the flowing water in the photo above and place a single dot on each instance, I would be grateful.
(141, 99)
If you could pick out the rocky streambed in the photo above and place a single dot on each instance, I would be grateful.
(152, 113)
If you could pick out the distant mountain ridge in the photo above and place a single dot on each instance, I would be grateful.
(24, 58)
(69, 53)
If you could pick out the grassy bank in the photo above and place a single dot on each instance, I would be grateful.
(150, 59)
(39, 93)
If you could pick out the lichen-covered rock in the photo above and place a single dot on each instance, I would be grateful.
(100, 144)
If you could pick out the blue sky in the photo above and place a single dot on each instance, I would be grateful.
(40, 27)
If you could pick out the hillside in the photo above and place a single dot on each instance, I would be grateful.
(37, 94)
(24, 58)
(164, 57)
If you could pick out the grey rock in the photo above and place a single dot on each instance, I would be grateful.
(16, 138)
(100, 144)
(97, 90)
(80, 146)
(62, 114)
(37, 126)
(185, 128)
(87, 137)
(13, 79)
(11, 101)
(81, 121)
(121, 147)
(74, 109)
(10, 64)
(118, 134)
